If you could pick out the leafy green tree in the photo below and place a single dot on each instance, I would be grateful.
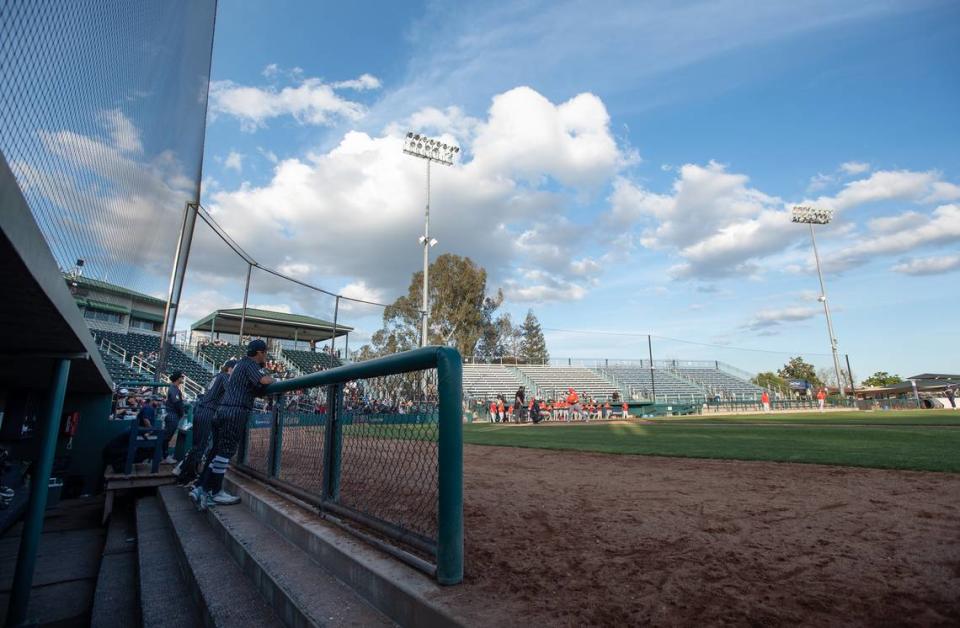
(772, 381)
(798, 368)
(882, 378)
(533, 346)
(459, 308)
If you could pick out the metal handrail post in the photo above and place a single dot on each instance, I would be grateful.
(39, 487)
(450, 468)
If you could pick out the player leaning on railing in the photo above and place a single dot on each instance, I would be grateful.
(203, 415)
(245, 383)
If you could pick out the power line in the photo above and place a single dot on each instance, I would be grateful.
(689, 342)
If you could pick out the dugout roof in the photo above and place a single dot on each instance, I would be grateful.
(39, 317)
(268, 324)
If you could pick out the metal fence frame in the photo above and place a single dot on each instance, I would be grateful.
(447, 548)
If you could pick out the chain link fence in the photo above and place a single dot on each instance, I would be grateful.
(378, 444)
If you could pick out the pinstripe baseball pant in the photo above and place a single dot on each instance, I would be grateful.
(227, 430)
(202, 420)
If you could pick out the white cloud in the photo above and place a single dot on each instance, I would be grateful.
(271, 71)
(123, 133)
(854, 167)
(269, 155)
(820, 181)
(942, 226)
(234, 161)
(929, 265)
(883, 185)
(310, 102)
(361, 83)
(356, 210)
(767, 318)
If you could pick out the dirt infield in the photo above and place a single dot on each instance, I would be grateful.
(572, 539)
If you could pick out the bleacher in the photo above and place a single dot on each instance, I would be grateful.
(219, 353)
(486, 381)
(135, 344)
(717, 381)
(554, 381)
(310, 361)
(121, 372)
(638, 380)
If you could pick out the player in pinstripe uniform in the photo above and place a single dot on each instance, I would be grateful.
(245, 383)
(203, 415)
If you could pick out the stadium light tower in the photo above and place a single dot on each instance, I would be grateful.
(430, 150)
(816, 216)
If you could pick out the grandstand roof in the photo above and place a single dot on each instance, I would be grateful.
(270, 325)
(95, 284)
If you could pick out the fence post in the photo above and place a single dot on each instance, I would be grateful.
(39, 487)
(333, 442)
(276, 437)
(450, 468)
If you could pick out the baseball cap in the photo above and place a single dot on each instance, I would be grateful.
(124, 391)
(176, 375)
(256, 345)
(229, 364)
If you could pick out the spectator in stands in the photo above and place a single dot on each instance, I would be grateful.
(148, 412)
(245, 383)
(765, 400)
(175, 410)
(203, 414)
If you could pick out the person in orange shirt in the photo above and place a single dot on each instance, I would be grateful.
(573, 401)
(510, 413)
(501, 410)
(821, 398)
(626, 410)
(493, 412)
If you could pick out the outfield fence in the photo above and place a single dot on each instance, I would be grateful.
(378, 447)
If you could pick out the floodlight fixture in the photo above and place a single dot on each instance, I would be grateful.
(430, 150)
(821, 216)
(811, 215)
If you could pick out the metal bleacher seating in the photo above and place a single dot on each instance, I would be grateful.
(220, 353)
(717, 381)
(485, 381)
(310, 361)
(638, 380)
(136, 344)
(553, 381)
(121, 372)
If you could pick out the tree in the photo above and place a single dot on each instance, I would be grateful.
(771, 381)
(533, 346)
(797, 368)
(882, 378)
(459, 308)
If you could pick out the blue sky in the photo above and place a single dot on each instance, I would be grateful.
(627, 168)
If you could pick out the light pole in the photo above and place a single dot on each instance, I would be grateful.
(430, 150)
(815, 216)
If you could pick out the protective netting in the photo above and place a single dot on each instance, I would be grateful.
(102, 115)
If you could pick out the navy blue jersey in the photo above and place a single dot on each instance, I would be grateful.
(214, 394)
(174, 401)
(243, 385)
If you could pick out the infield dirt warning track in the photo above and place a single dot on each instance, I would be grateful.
(566, 538)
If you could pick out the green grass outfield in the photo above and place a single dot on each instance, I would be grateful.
(923, 440)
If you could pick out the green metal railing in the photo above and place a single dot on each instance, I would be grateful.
(377, 446)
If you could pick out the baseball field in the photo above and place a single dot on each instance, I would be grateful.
(716, 521)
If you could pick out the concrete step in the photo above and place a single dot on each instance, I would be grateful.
(301, 591)
(165, 597)
(403, 594)
(115, 603)
(216, 583)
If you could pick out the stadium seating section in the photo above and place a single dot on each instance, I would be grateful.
(715, 381)
(218, 354)
(178, 360)
(553, 381)
(308, 361)
(486, 381)
(639, 381)
(121, 372)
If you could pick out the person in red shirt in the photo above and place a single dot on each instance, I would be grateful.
(765, 400)
(821, 398)
(626, 410)
(501, 411)
(493, 412)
